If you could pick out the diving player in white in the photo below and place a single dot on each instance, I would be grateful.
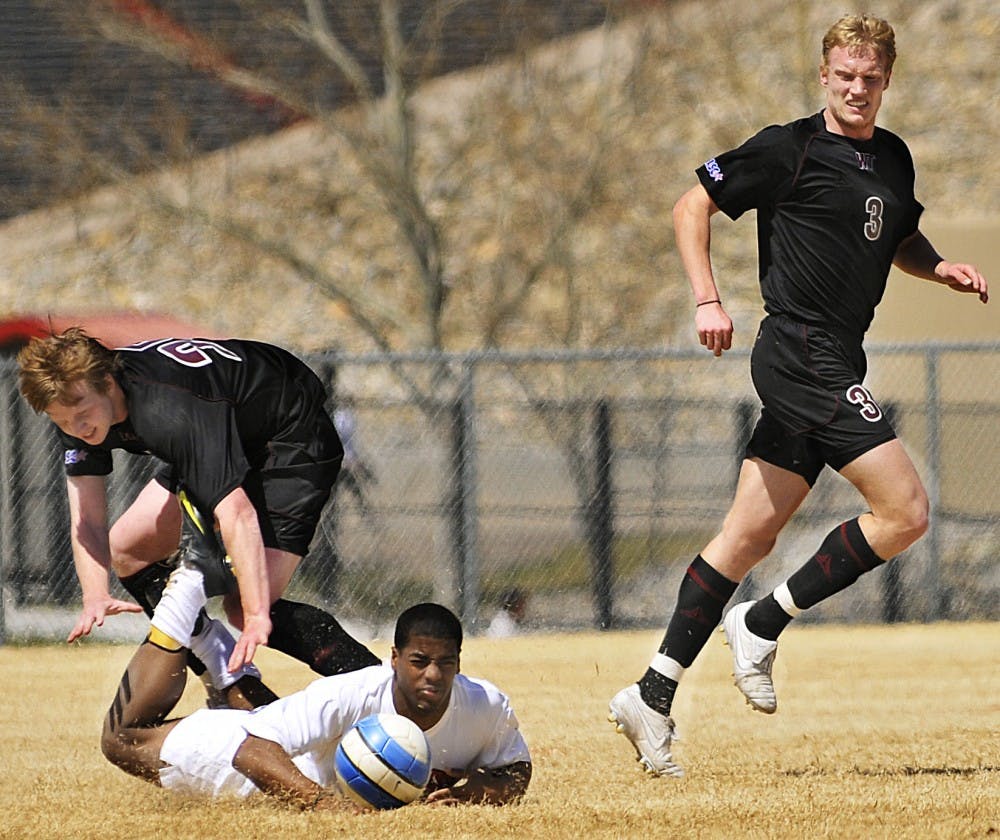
(286, 748)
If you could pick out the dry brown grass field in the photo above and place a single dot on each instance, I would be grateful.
(887, 732)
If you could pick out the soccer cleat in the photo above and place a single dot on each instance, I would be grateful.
(753, 658)
(650, 732)
(213, 644)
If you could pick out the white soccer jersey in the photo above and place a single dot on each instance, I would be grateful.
(478, 730)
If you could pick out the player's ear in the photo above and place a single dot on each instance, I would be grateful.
(393, 656)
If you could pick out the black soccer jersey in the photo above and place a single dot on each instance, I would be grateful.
(207, 408)
(831, 212)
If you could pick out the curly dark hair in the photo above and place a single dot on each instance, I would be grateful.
(427, 620)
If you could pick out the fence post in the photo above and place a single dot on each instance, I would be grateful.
(325, 543)
(7, 530)
(744, 423)
(940, 608)
(59, 590)
(744, 428)
(464, 510)
(16, 489)
(892, 589)
(602, 529)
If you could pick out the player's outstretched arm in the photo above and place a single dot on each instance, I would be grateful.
(486, 786)
(915, 255)
(88, 510)
(269, 767)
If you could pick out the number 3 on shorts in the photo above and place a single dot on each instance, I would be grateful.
(860, 396)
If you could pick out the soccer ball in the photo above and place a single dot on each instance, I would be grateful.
(384, 761)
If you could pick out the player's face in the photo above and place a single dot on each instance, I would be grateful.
(425, 670)
(88, 417)
(854, 82)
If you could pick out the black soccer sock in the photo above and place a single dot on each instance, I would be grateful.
(315, 637)
(703, 595)
(147, 585)
(841, 559)
(657, 691)
(767, 618)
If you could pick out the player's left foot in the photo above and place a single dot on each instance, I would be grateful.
(650, 732)
(213, 644)
(753, 658)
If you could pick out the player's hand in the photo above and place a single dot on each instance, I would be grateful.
(95, 611)
(715, 328)
(442, 797)
(439, 789)
(256, 630)
(963, 278)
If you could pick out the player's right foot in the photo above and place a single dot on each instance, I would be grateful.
(753, 658)
(650, 732)
(213, 644)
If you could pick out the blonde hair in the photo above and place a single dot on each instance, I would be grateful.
(858, 31)
(51, 366)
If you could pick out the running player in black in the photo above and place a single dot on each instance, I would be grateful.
(835, 209)
(246, 440)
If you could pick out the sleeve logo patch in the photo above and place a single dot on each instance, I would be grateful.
(713, 169)
(74, 456)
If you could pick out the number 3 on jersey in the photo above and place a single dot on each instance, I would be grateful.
(874, 207)
(868, 408)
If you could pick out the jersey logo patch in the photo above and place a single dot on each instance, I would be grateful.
(74, 456)
(713, 169)
(866, 161)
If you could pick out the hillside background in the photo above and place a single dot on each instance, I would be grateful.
(543, 181)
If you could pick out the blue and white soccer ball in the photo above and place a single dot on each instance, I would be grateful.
(384, 761)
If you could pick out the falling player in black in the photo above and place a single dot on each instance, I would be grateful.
(243, 432)
(835, 210)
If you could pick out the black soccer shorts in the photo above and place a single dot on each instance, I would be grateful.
(815, 409)
(294, 483)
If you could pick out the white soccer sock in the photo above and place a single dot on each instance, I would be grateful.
(785, 600)
(670, 668)
(213, 646)
(184, 596)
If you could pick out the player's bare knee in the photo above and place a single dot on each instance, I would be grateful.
(915, 523)
(912, 520)
(125, 561)
(749, 540)
(752, 544)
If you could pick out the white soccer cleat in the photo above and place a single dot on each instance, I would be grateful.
(753, 658)
(213, 646)
(650, 732)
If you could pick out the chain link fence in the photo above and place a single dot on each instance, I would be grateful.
(587, 480)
